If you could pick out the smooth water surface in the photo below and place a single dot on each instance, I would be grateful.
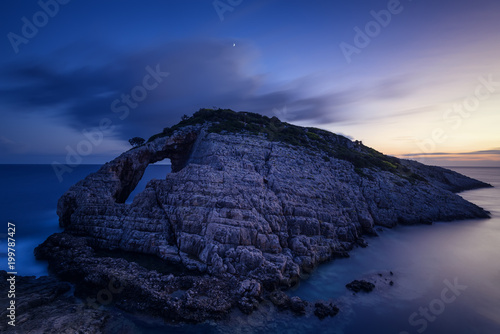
(28, 197)
(425, 261)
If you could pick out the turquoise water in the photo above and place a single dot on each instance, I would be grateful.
(425, 260)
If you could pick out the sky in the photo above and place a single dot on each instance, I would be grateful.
(416, 79)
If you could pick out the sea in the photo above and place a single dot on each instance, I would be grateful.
(445, 276)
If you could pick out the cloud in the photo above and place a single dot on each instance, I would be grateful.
(393, 87)
(202, 73)
(483, 152)
(8, 146)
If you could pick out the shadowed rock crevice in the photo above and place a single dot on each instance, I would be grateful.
(131, 169)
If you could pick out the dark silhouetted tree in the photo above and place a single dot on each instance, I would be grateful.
(136, 141)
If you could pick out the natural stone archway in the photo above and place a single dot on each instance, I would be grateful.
(130, 168)
(155, 171)
(115, 180)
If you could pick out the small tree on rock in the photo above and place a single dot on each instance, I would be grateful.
(136, 141)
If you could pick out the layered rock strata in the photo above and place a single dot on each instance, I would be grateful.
(239, 207)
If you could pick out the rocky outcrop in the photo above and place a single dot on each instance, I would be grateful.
(240, 206)
(444, 178)
(323, 310)
(361, 285)
(46, 305)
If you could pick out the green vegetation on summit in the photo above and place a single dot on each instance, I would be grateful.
(328, 144)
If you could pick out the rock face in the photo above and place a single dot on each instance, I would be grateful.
(240, 205)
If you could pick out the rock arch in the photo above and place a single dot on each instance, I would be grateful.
(116, 179)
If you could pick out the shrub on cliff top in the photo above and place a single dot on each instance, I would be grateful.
(229, 121)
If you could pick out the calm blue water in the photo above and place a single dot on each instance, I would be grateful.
(422, 258)
(28, 198)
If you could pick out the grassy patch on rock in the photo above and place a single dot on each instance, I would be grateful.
(325, 143)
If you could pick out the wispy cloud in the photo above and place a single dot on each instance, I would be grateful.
(9, 146)
(203, 73)
(483, 152)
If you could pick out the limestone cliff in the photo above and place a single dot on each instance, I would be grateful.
(253, 198)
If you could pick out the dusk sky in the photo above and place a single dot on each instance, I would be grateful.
(417, 79)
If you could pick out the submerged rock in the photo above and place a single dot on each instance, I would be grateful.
(324, 309)
(252, 203)
(298, 305)
(284, 302)
(360, 285)
(280, 299)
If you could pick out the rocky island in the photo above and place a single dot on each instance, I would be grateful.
(252, 204)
